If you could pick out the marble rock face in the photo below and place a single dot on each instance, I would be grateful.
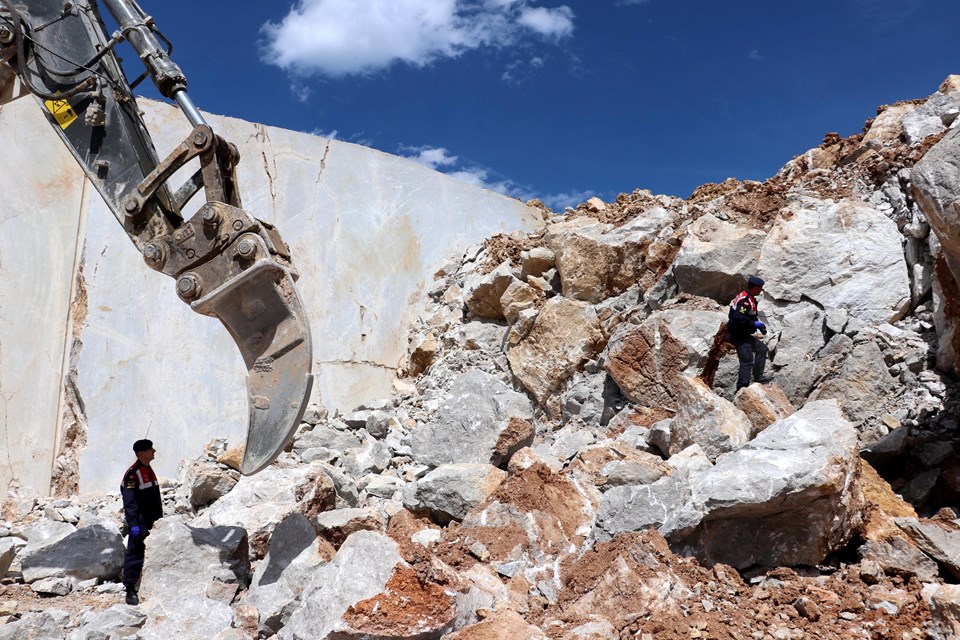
(366, 230)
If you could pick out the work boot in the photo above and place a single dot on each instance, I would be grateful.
(765, 379)
(132, 598)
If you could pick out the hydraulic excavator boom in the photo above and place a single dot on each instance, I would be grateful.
(226, 263)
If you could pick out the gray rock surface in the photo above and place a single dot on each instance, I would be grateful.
(184, 559)
(469, 425)
(451, 490)
(282, 575)
(360, 570)
(795, 484)
(939, 542)
(119, 621)
(58, 549)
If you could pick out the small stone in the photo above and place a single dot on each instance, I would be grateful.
(807, 608)
(848, 615)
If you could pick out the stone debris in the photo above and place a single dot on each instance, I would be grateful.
(565, 456)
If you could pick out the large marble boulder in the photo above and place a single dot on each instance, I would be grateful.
(646, 360)
(597, 260)
(841, 255)
(279, 580)
(183, 559)
(259, 502)
(790, 496)
(451, 490)
(705, 419)
(716, 258)
(58, 549)
(565, 335)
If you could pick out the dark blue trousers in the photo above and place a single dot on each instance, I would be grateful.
(133, 562)
(752, 353)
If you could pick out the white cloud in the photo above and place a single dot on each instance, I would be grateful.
(623, 3)
(343, 37)
(329, 135)
(433, 157)
(755, 55)
(440, 159)
(560, 201)
(552, 23)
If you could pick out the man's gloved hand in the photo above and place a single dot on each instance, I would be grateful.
(135, 531)
(759, 326)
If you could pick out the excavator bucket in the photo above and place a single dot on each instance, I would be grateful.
(263, 313)
(227, 263)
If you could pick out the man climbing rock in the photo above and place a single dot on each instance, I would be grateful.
(142, 506)
(742, 324)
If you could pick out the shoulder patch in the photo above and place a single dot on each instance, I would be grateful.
(131, 483)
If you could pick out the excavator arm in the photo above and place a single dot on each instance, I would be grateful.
(226, 263)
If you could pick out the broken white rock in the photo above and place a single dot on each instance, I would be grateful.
(184, 559)
(58, 549)
(282, 575)
(472, 421)
(451, 490)
(789, 497)
(842, 255)
(706, 419)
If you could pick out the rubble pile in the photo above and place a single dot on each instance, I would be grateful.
(564, 455)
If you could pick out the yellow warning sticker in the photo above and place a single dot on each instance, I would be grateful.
(62, 112)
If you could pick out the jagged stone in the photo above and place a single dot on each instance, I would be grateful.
(763, 404)
(469, 426)
(565, 335)
(8, 551)
(936, 540)
(842, 255)
(119, 621)
(55, 586)
(45, 625)
(257, 503)
(788, 497)
(372, 457)
(482, 293)
(360, 570)
(801, 333)
(505, 624)
(706, 419)
(232, 457)
(638, 507)
(597, 260)
(716, 258)
(184, 559)
(280, 578)
(646, 360)
(204, 481)
(519, 297)
(936, 188)
(945, 609)
(324, 437)
(57, 549)
(450, 491)
(176, 615)
(861, 384)
(536, 262)
(337, 525)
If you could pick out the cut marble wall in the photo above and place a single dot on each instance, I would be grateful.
(367, 231)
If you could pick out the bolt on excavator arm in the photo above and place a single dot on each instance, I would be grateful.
(226, 263)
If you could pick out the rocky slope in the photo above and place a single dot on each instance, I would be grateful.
(564, 456)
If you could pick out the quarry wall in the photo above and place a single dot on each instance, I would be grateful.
(96, 350)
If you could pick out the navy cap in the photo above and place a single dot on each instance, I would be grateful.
(142, 445)
(754, 281)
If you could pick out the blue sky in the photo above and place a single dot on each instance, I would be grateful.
(566, 99)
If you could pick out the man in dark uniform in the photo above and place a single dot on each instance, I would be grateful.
(742, 323)
(142, 506)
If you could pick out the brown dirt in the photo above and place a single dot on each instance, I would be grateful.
(720, 605)
(76, 602)
(518, 430)
(405, 604)
(502, 247)
(540, 489)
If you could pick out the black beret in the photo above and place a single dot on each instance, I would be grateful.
(754, 281)
(142, 445)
